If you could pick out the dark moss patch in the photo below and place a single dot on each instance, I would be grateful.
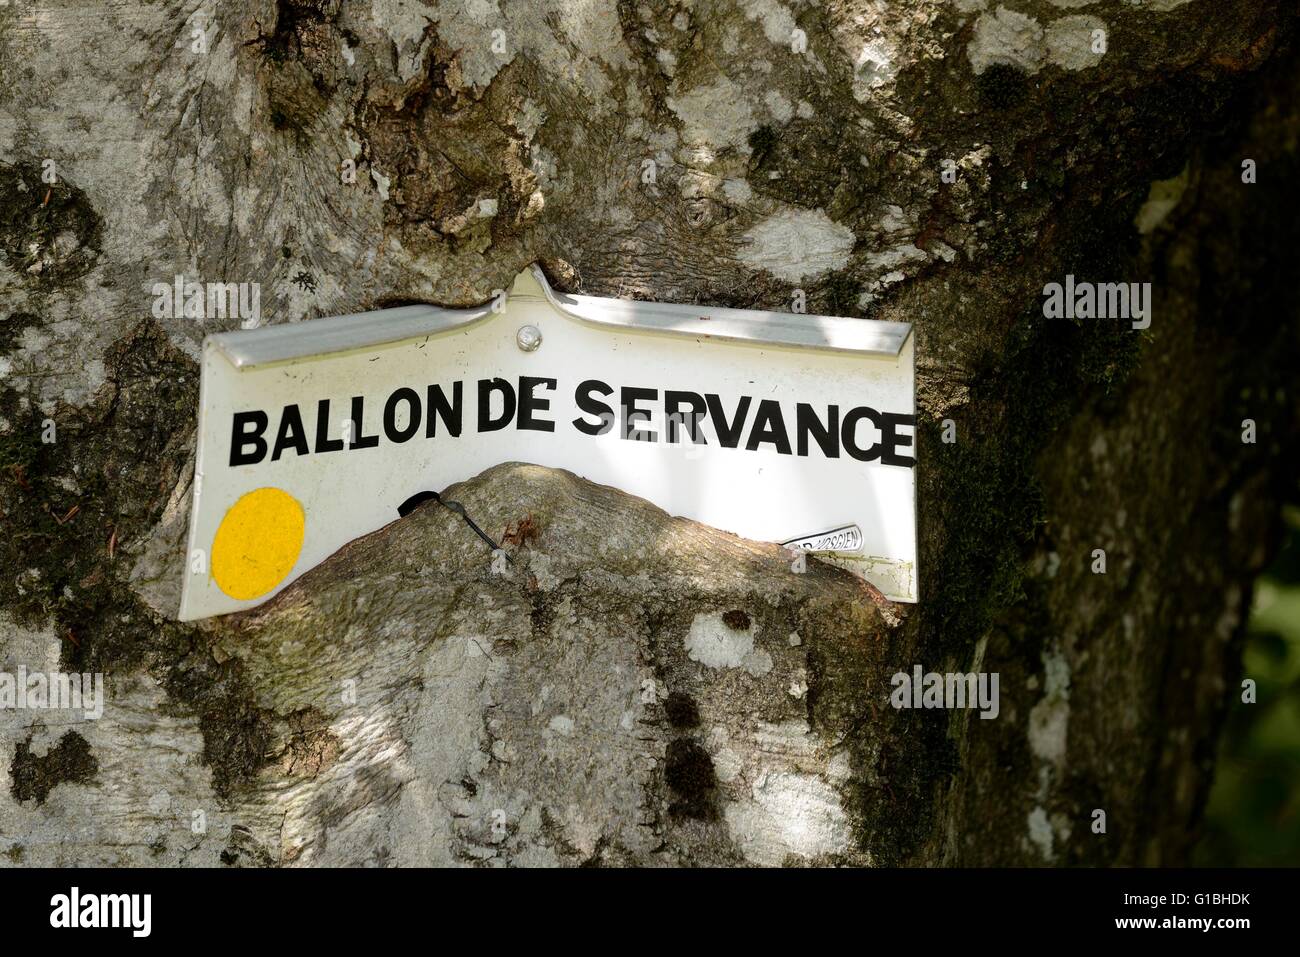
(295, 22)
(688, 771)
(243, 850)
(816, 162)
(983, 488)
(761, 144)
(981, 506)
(12, 326)
(48, 232)
(35, 776)
(682, 710)
(305, 33)
(305, 70)
(736, 620)
(116, 462)
(840, 293)
(1001, 87)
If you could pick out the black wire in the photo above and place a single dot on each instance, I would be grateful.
(460, 510)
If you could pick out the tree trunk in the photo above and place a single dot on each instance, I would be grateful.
(638, 688)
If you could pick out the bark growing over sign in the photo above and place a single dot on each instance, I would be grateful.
(605, 698)
(937, 163)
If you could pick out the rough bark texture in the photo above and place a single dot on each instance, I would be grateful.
(509, 718)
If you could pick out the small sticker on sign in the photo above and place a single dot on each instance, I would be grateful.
(844, 540)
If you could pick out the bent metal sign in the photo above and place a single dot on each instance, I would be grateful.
(779, 427)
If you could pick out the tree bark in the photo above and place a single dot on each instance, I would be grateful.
(641, 689)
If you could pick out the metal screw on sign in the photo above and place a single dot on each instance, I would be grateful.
(528, 338)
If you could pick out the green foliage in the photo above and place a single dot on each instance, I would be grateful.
(1253, 816)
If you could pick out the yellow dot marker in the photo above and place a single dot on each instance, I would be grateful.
(257, 543)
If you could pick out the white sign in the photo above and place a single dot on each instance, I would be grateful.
(778, 427)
